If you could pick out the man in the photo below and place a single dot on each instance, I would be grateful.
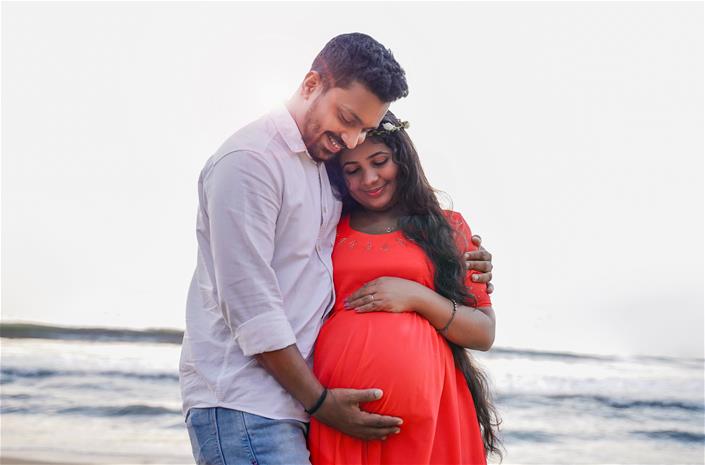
(263, 284)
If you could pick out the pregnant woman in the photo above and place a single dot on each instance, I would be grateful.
(405, 310)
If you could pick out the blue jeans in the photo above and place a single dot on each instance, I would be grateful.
(221, 436)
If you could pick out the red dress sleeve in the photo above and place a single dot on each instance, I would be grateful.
(463, 240)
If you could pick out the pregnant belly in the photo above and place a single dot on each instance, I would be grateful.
(400, 353)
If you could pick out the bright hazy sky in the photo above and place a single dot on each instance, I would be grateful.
(569, 135)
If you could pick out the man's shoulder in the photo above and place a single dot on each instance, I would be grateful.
(257, 142)
(258, 137)
(261, 140)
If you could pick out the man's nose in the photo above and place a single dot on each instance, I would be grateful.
(352, 139)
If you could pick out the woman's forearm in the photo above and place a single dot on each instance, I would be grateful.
(472, 328)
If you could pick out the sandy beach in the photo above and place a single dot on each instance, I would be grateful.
(18, 461)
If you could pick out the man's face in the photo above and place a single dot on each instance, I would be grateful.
(340, 118)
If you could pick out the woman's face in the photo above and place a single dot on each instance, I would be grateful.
(370, 174)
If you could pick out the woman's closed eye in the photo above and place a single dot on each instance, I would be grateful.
(376, 163)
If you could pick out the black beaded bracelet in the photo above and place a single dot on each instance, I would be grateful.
(444, 330)
(318, 403)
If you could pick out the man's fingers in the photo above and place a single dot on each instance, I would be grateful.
(482, 278)
(477, 240)
(485, 267)
(359, 396)
(479, 255)
(379, 433)
(490, 288)
(372, 420)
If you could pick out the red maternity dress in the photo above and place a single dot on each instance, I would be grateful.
(400, 353)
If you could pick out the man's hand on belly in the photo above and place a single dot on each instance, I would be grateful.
(341, 410)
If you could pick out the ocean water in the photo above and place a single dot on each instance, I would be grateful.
(107, 396)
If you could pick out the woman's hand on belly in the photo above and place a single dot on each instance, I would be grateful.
(385, 294)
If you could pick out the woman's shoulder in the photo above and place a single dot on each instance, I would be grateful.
(460, 226)
(455, 219)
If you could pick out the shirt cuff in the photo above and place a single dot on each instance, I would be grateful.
(265, 333)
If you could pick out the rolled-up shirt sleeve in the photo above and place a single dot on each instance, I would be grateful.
(242, 194)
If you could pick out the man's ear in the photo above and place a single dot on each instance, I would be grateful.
(311, 84)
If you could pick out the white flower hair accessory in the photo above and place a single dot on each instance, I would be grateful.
(389, 128)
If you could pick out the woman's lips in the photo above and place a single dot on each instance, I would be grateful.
(376, 192)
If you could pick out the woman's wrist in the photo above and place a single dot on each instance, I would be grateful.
(422, 299)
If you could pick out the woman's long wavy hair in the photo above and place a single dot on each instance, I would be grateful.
(427, 225)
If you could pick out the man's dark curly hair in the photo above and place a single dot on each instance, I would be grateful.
(358, 57)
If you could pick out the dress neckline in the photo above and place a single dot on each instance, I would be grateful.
(349, 226)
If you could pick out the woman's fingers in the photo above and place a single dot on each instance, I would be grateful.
(376, 305)
(372, 307)
(366, 290)
(360, 301)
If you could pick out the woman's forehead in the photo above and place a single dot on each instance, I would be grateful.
(365, 150)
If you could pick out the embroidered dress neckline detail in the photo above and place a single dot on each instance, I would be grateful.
(384, 234)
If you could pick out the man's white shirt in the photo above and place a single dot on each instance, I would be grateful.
(266, 225)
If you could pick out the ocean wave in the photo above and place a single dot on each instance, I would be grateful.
(119, 411)
(540, 354)
(633, 404)
(11, 374)
(528, 436)
(34, 331)
(136, 410)
(620, 404)
(680, 436)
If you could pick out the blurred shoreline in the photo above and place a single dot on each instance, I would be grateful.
(28, 330)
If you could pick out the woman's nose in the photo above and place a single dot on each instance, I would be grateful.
(370, 177)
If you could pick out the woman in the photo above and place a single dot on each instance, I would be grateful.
(405, 310)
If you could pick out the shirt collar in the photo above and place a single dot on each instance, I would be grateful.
(287, 128)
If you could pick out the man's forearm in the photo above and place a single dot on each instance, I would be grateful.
(290, 370)
(341, 408)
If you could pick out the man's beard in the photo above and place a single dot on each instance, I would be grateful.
(311, 129)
